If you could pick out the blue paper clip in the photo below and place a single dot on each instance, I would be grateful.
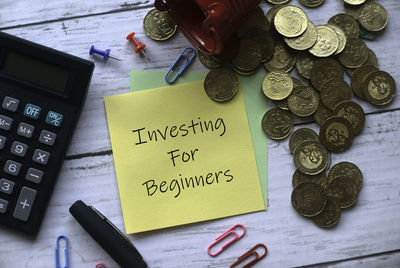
(188, 59)
(58, 253)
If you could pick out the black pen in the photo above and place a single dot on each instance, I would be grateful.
(109, 237)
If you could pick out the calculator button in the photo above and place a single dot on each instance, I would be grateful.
(32, 111)
(40, 156)
(2, 142)
(24, 204)
(54, 119)
(5, 122)
(47, 137)
(10, 104)
(34, 175)
(3, 206)
(12, 167)
(6, 186)
(25, 130)
(19, 148)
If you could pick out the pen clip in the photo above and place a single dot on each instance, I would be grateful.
(113, 226)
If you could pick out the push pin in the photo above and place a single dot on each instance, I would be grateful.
(105, 53)
(139, 47)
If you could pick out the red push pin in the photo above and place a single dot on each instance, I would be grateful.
(139, 47)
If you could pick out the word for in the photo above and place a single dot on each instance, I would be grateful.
(177, 185)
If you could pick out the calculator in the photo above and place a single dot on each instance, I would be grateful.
(42, 92)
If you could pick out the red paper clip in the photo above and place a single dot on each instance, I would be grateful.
(235, 238)
(252, 251)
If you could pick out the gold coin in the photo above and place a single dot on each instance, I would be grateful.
(336, 134)
(347, 23)
(265, 40)
(355, 53)
(304, 63)
(358, 78)
(310, 157)
(277, 85)
(351, 10)
(209, 61)
(249, 56)
(324, 70)
(327, 42)
(346, 169)
(299, 177)
(342, 38)
(371, 60)
(278, 2)
(373, 16)
(244, 73)
(282, 60)
(379, 88)
(255, 20)
(354, 2)
(305, 40)
(311, 3)
(303, 101)
(158, 25)
(283, 104)
(308, 199)
(221, 84)
(330, 215)
(277, 124)
(300, 135)
(271, 14)
(343, 188)
(353, 113)
(291, 21)
(335, 91)
(322, 113)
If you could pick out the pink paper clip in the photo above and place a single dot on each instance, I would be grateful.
(252, 251)
(100, 265)
(235, 238)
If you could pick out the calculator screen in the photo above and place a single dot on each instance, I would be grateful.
(38, 72)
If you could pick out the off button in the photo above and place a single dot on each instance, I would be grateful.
(32, 111)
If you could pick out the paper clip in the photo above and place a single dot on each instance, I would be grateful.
(235, 238)
(58, 253)
(252, 251)
(188, 59)
(100, 265)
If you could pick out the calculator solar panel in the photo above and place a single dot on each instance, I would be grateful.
(42, 92)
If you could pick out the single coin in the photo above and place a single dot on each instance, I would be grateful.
(347, 23)
(304, 63)
(311, 3)
(277, 85)
(330, 215)
(255, 20)
(265, 40)
(372, 59)
(291, 21)
(308, 199)
(209, 61)
(249, 56)
(343, 188)
(355, 2)
(351, 10)
(277, 124)
(300, 135)
(303, 101)
(310, 157)
(335, 91)
(278, 2)
(158, 25)
(353, 113)
(327, 42)
(346, 169)
(282, 60)
(299, 177)
(324, 70)
(271, 14)
(221, 84)
(322, 113)
(342, 38)
(355, 53)
(358, 78)
(305, 40)
(379, 88)
(336, 134)
(373, 16)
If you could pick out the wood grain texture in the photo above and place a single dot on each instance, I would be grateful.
(363, 236)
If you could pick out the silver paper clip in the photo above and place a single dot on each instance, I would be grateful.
(251, 251)
(190, 54)
(58, 253)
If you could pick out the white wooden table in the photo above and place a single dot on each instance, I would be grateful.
(367, 234)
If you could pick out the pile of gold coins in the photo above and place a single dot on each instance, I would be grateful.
(285, 38)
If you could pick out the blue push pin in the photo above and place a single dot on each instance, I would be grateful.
(105, 53)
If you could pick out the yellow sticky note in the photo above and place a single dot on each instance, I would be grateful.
(181, 157)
